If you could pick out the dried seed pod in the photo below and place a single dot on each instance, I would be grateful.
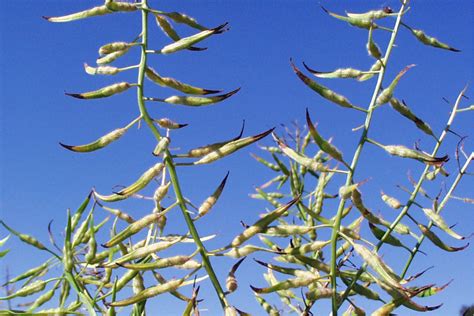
(287, 230)
(322, 90)
(30, 240)
(206, 206)
(325, 146)
(230, 148)
(160, 193)
(338, 73)
(246, 250)
(197, 101)
(120, 6)
(175, 84)
(32, 288)
(102, 93)
(439, 221)
(391, 240)
(387, 93)
(115, 47)
(169, 124)
(184, 19)
(261, 224)
(373, 14)
(373, 69)
(161, 146)
(231, 282)
(101, 70)
(187, 42)
(404, 152)
(160, 263)
(403, 109)
(95, 11)
(390, 201)
(107, 59)
(372, 48)
(142, 182)
(271, 311)
(429, 40)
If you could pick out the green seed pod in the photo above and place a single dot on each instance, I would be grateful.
(46, 297)
(35, 287)
(439, 221)
(357, 22)
(363, 290)
(309, 247)
(322, 90)
(230, 148)
(184, 19)
(107, 59)
(176, 294)
(197, 101)
(133, 229)
(160, 263)
(120, 6)
(245, 251)
(81, 231)
(169, 124)
(403, 109)
(391, 240)
(68, 255)
(372, 48)
(64, 293)
(266, 163)
(31, 272)
(268, 198)
(99, 143)
(30, 240)
(161, 146)
(175, 84)
(138, 284)
(430, 41)
(120, 214)
(353, 310)
(325, 146)
(142, 182)
(404, 152)
(77, 216)
(373, 14)
(187, 42)
(387, 93)
(261, 224)
(95, 11)
(97, 227)
(338, 73)
(432, 290)
(206, 206)
(285, 285)
(271, 149)
(287, 230)
(91, 244)
(115, 47)
(373, 69)
(102, 93)
(271, 311)
(169, 31)
(101, 70)
(319, 293)
(390, 201)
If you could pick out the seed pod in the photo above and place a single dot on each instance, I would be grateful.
(142, 182)
(439, 221)
(346, 191)
(271, 311)
(184, 19)
(77, 216)
(390, 201)
(101, 70)
(176, 294)
(261, 224)
(102, 93)
(230, 148)
(161, 146)
(107, 59)
(338, 73)
(68, 255)
(325, 146)
(81, 231)
(387, 93)
(169, 124)
(132, 229)
(266, 163)
(99, 143)
(175, 84)
(287, 230)
(231, 281)
(319, 293)
(429, 40)
(30, 240)
(161, 263)
(120, 214)
(363, 290)
(404, 152)
(120, 6)
(353, 310)
(372, 48)
(268, 198)
(197, 101)
(432, 290)
(437, 241)
(357, 22)
(374, 68)
(91, 244)
(403, 109)
(285, 285)
(45, 297)
(245, 251)
(95, 11)
(322, 90)
(160, 193)
(115, 47)
(187, 42)
(274, 195)
(373, 14)
(206, 206)
(309, 247)
(391, 240)
(35, 287)
(29, 273)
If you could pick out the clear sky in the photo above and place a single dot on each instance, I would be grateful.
(40, 60)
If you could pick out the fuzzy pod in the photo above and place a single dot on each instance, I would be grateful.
(390, 201)
(230, 148)
(372, 48)
(344, 73)
(391, 240)
(373, 14)
(142, 182)
(95, 11)
(322, 90)
(429, 40)
(197, 101)
(186, 42)
(437, 241)
(261, 224)
(30, 240)
(115, 47)
(102, 93)
(207, 205)
(175, 84)
(32, 288)
(387, 93)
(404, 110)
(109, 58)
(377, 66)
(101, 70)
(120, 6)
(404, 152)
(440, 222)
(169, 124)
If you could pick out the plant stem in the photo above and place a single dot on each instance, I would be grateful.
(355, 160)
(169, 161)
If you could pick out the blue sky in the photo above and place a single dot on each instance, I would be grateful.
(39, 61)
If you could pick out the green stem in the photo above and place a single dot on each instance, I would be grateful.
(355, 160)
(169, 161)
